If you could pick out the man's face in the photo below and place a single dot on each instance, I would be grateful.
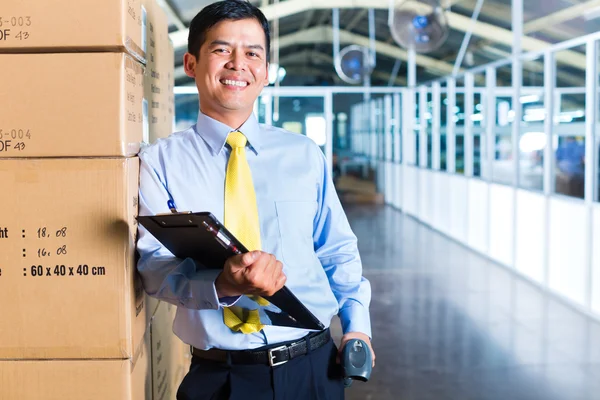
(231, 69)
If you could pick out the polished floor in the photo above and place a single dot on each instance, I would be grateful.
(449, 324)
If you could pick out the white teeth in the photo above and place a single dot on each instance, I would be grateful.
(235, 83)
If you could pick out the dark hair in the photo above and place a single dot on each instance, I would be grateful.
(233, 10)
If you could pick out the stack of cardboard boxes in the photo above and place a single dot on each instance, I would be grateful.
(74, 320)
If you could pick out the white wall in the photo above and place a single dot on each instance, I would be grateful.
(398, 188)
(441, 207)
(388, 191)
(478, 235)
(530, 234)
(410, 190)
(501, 229)
(425, 199)
(596, 261)
(567, 247)
(458, 203)
(546, 239)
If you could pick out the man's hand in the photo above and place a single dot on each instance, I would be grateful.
(356, 335)
(253, 273)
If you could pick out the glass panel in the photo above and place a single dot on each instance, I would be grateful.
(532, 135)
(186, 111)
(350, 134)
(569, 125)
(260, 108)
(478, 125)
(429, 120)
(416, 128)
(504, 76)
(459, 117)
(503, 167)
(303, 115)
(597, 127)
(443, 125)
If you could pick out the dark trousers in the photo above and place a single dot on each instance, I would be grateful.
(314, 376)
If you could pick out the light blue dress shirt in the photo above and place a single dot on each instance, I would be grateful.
(301, 222)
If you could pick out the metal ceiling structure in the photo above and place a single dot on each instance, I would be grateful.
(306, 36)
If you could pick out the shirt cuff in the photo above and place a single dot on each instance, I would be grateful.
(203, 289)
(356, 318)
(228, 301)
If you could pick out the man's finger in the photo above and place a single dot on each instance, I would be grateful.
(249, 258)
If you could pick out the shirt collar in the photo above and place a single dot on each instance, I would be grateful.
(215, 133)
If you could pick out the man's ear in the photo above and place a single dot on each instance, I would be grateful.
(189, 64)
(266, 81)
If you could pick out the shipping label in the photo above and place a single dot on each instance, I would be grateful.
(15, 27)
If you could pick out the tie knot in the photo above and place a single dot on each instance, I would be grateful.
(237, 140)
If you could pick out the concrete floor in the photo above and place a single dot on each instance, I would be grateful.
(449, 324)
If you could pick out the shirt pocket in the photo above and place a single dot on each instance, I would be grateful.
(295, 220)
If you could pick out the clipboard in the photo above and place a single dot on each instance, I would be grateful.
(201, 237)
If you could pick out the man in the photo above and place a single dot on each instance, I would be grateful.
(285, 208)
(570, 160)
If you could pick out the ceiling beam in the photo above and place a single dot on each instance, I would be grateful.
(538, 66)
(560, 16)
(324, 34)
(456, 21)
(307, 55)
(302, 57)
(359, 15)
(307, 20)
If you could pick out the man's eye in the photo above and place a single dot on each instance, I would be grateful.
(251, 54)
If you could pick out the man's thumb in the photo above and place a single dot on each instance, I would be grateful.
(248, 258)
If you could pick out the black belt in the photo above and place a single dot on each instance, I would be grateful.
(273, 356)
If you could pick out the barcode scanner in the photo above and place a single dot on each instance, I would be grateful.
(356, 361)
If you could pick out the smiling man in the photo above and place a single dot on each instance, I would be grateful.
(273, 190)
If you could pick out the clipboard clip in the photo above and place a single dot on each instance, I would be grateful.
(171, 205)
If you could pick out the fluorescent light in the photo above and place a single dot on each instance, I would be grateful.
(563, 119)
(532, 98)
(477, 117)
(536, 110)
(316, 129)
(179, 38)
(534, 117)
(276, 73)
(185, 90)
(574, 114)
(532, 141)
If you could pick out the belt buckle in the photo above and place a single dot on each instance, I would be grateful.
(272, 357)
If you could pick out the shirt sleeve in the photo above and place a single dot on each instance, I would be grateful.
(164, 276)
(337, 249)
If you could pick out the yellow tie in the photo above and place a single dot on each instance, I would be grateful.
(241, 219)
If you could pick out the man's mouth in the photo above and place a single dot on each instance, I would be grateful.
(230, 82)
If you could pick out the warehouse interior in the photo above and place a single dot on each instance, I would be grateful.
(469, 170)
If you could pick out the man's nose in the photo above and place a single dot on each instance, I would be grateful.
(237, 61)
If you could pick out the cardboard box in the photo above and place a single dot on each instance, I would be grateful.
(167, 363)
(78, 105)
(128, 379)
(67, 271)
(159, 78)
(66, 25)
(182, 356)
